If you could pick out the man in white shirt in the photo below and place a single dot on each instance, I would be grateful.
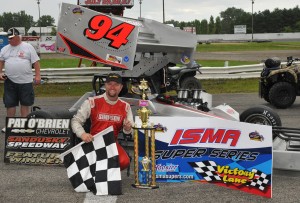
(18, 58)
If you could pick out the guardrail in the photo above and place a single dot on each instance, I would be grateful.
(84, 74)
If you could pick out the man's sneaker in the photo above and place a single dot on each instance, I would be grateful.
(3, 130)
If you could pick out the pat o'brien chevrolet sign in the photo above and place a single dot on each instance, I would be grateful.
(36, 141)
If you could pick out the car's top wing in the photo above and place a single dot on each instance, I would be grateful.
(95, 36)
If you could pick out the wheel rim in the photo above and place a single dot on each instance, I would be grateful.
(258, 119)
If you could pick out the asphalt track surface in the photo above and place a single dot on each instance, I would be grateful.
(22, 183)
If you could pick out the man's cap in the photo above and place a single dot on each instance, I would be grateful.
(114, 77)
(12, 32)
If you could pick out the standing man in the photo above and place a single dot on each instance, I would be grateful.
(106, 110)
(18, 58)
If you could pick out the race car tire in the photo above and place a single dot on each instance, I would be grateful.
(261, 115)
(40, 114)
(53, 114)
(282, 95)
(190, 83)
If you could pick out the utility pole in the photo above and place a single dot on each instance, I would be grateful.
(38, 3)
(140, 8)
(252, 19)
(163, 11)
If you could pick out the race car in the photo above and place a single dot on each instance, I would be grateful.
(140, 49)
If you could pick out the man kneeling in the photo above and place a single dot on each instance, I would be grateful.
(106, 110)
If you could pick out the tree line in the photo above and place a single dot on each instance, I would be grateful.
(21, 19)
(276, 21)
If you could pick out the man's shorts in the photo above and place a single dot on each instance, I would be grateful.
(18, 93)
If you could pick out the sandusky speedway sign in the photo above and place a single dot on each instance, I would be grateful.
(36, 141)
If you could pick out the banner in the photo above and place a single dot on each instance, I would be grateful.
(227, 153)
(36, 141)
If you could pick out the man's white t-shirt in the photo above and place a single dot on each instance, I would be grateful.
(18, 62)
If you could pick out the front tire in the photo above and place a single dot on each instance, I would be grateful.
(262, 115)
(282, 95)
(190, 83)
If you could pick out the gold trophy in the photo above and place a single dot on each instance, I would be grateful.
(146, 177)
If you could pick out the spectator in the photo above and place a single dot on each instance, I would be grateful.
(18, 58)
(103, 111)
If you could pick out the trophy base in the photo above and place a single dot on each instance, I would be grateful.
(145, 186)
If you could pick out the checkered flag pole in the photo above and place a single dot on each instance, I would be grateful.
(94, 166)
(260, 180)
(207, 169)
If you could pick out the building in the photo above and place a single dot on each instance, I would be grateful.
(45, 31)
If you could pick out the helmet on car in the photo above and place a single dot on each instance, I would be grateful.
(273, 62)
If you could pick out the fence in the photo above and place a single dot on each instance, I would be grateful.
(84, 74)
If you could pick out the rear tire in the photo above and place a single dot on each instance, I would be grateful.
(282, 95)
(262, 115)
(190, 83)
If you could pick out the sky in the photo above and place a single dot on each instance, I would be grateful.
(179, 10)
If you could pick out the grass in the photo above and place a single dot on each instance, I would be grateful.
(71, 63)
(248, 46)
(64, 63)
(220, 63)
(230, 86)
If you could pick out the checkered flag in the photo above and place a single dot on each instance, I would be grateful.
(260, 180)
(207, 169)
(94, 166)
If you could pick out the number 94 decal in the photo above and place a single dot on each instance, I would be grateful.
(100, 26)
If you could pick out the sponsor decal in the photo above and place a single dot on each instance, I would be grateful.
(160, 128)
(33, 158)
(49, 47)
(109, 117)
(180, 153)
(206, 135)
(36, 141)
(114, 59)
(61, 49)
(77, 10)
(167, 168)
(234, 175)
(126, 59)
(237, 155)
(100, 27)
(213, 151)
(185, 59)
(256, 136)
(38, 123)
